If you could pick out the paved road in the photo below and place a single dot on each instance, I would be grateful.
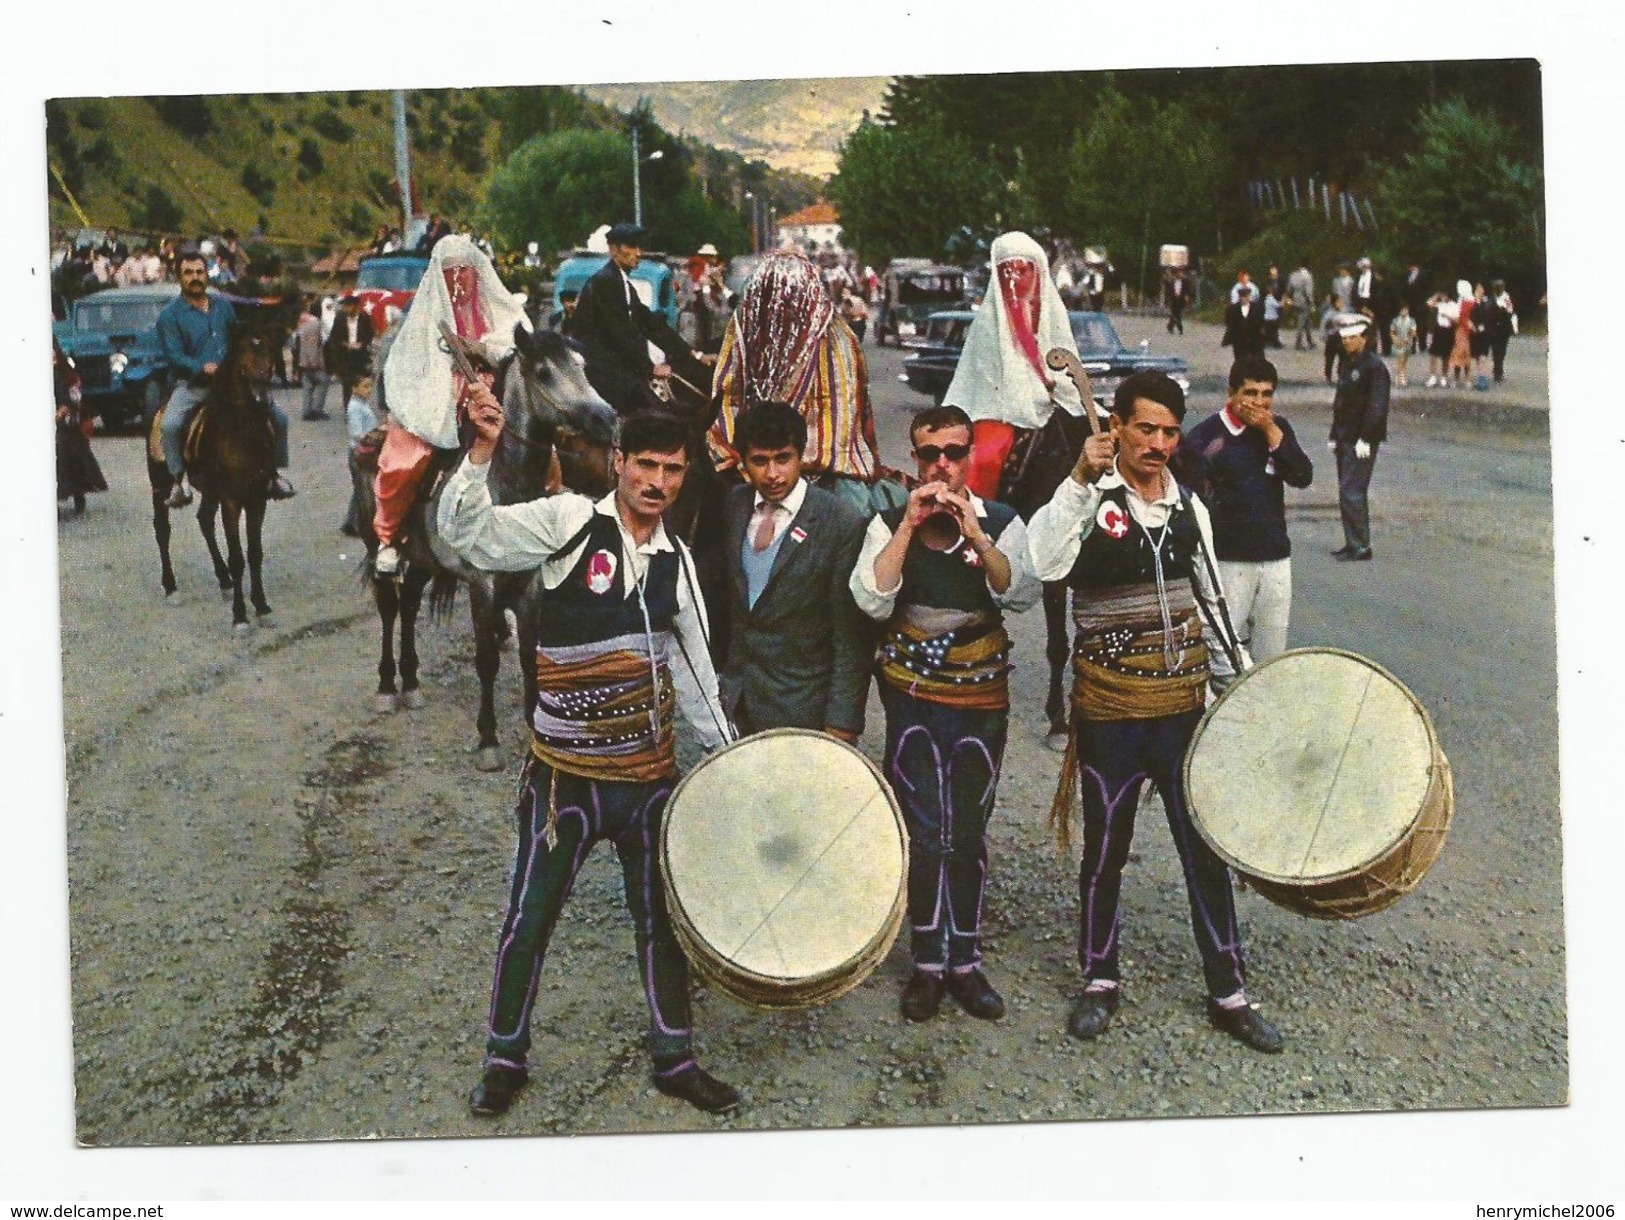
(284, 902)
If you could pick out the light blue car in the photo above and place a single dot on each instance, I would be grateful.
(652, 280)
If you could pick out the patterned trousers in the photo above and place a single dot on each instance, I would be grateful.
(1115, 758)
(943, 764)
(628, 815)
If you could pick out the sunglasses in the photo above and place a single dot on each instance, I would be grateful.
(930, 453)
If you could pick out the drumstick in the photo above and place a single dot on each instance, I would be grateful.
(1059, 359)
(454, 344)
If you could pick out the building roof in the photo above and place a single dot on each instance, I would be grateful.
(819, 213)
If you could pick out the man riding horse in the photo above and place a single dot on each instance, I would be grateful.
(422, 389)
(194, 331)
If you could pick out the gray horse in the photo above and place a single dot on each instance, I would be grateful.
(545, 396)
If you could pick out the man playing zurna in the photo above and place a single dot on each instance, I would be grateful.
(620, 630)
(1130, 541)
(939, 571)
(422, 389)
(1002, 382)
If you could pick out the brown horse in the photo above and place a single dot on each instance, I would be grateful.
(231, 464)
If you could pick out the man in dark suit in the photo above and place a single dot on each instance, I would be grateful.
(615, 329)
(1244, 325)
(348, 349)
(799, 652)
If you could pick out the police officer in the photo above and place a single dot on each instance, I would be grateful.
(1359, 426)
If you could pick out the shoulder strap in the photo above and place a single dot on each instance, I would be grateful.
(577, 540)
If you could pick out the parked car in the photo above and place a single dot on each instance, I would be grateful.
(112, 339)
(930, 368)
(385, 280)
(911, 291)
(652, 280)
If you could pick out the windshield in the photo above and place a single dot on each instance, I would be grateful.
(392, 277)
(919, 288)
(1093, 334)
(117, 317)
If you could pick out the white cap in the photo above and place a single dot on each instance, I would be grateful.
(1350, 325)
(708, 249)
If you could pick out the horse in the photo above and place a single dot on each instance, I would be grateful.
(1033, 471)
(545, 395)
(231, 465)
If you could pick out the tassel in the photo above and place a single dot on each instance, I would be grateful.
(551, 834)
(1060, 810)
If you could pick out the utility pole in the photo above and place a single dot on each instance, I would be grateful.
(637, 180)
(403, 168)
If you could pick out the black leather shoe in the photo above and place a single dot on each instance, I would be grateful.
(976, 995)
(1246, 1024)
(1348, 556)
(1092, 1014)
(280, 489)
(1343, 552)
(699, 1089)
(496, 1090)
(923, 995)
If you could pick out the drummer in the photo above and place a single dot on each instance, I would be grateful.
(939, 571)
(620, 639)
(1128, 539)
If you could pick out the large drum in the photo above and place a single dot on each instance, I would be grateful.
(785, 861)
(1319, 778)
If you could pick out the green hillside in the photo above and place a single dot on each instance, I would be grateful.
(307, 168)
(316, 170)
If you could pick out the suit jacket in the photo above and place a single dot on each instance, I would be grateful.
(1244, 334)
(800, 657)
(615, 339)
(342, 361)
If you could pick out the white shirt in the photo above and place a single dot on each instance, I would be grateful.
(518, 537)
(785, 512)
(879, 604)
(359, 418)
(1056, 533)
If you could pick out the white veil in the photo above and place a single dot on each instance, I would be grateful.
(994, 379)
(417, 374)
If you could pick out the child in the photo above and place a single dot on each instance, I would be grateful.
(1402, 334)
(1330, 320)
(359, 419)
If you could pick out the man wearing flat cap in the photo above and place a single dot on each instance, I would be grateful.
(1359, 426)
(616, 328)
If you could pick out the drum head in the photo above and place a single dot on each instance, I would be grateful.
(785, 855)
(1310, 766)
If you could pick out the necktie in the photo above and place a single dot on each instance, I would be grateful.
(766, 515)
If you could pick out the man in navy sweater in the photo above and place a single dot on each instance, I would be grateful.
(1240, 461)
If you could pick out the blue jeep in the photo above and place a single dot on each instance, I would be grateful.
(112, 338)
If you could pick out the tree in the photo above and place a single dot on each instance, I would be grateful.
(904, 191)
(558, 188)
(1463, 204)
(1142, 173)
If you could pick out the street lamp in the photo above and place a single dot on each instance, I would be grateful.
(637, 176)
(751, 198)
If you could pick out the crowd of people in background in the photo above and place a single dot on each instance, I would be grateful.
(1464, 332)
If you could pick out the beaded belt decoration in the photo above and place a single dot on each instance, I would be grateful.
(966, 668)
(604, 717)
(1129, 662)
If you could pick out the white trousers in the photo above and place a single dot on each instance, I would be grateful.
(1260, 600)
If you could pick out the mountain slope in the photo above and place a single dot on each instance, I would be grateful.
(790, 124)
